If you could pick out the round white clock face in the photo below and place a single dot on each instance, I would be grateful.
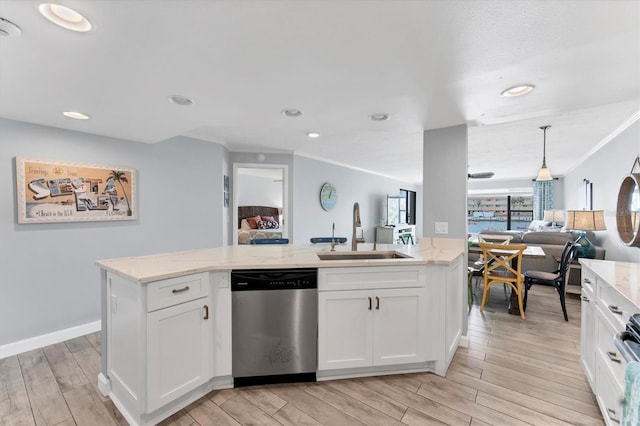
(328, 196)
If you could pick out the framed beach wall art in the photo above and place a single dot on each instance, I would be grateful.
(55, 191)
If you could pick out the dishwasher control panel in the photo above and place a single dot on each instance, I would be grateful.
(274, 279)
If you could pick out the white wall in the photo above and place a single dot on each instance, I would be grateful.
(606, 169)
(259, 191)
(49, 277)
(368, 189)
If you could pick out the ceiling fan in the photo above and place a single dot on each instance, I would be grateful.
(481, 175)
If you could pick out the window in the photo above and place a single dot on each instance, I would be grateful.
(499, 213)
(401, 208)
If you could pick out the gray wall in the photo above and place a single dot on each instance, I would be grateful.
(445, 181)
(444, 171)
(368, 189)
(606, 169)
(49, 277)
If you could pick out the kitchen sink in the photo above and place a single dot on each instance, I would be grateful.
(361, 255)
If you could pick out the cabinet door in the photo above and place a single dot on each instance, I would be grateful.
(344, 329)
(179, 356)
(588, 333)
(399, 318)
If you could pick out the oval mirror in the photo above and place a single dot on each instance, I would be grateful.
(628, 212)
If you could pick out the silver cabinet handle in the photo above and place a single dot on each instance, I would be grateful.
(370, 303)
(586, 280)
(377, 302)
(586, 299)
(180, 290)
(614, 357)
(206, 312)
(615, 310)
(611, 414)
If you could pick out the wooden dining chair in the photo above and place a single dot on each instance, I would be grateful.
(494, 239)
(503, 264)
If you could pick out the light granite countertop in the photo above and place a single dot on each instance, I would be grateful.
(623, 276)
(144, 269)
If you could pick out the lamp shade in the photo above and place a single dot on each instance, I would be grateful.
(585, 220)
(554, 215)
(544, 175)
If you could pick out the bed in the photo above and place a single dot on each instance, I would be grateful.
(258, 222)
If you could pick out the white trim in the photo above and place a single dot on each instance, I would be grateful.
(464, 342)
(624, 126)
(285, 195)
(41, 341)
(359, 169)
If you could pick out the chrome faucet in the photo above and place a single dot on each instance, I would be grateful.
(356, 223)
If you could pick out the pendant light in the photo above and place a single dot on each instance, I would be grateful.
(544, 175)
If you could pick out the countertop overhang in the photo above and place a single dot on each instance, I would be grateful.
(623, 276)
(144, 269)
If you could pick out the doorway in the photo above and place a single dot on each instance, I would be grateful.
(261, 189)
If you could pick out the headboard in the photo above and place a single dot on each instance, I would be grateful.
(249, 211)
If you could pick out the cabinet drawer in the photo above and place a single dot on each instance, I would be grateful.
(609, 394)
(370, 278)
(588, 286)
(161, 294)
(611, 357)
(616, 308)
(588, 277)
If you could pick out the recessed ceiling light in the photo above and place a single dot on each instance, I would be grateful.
(75, 115)
(65, 17)
(379, 117)
(291, 112)
(519, 90)
(180, 100)
(313, 135)
(8, 28)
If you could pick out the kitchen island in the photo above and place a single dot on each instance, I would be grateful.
(167, 318)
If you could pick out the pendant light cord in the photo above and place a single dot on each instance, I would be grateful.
(544, 145)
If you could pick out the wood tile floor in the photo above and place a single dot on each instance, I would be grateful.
(514, 372)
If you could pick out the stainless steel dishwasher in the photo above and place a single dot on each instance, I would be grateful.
(274, 326)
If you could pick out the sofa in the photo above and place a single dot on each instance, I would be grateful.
(552, 242)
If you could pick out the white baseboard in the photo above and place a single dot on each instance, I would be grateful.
(464, 342)
(32, 343)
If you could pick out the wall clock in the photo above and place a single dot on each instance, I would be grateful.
(328, 196)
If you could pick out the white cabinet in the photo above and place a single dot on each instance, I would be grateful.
(399, 319)
(377, 320)
(364, 328)
(588, 327)
(345, 329)
(162, 341)
(605, 312)
(179, 346)
(398, 234)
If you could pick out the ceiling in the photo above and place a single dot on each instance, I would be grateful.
(429, 64)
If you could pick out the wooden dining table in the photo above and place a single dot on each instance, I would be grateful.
(530, 252)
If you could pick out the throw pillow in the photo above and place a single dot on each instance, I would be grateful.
(253, 221)
(268, 224)
(267, 218)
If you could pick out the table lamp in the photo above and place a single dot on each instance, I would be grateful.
(585, 220)
(554, 216)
